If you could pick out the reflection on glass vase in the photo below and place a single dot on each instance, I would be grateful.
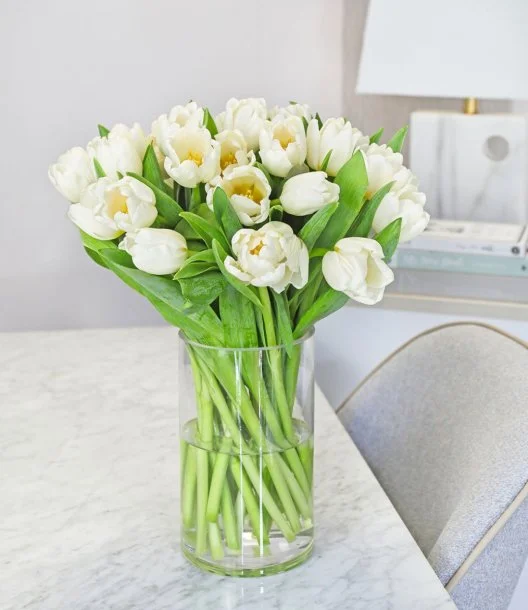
(246, 431)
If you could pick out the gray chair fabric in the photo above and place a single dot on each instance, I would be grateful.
(443, 424)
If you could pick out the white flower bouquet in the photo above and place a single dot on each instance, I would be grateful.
(244, 230)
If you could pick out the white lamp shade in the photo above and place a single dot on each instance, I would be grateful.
(446, 48)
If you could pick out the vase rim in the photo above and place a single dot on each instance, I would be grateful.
(307, 335)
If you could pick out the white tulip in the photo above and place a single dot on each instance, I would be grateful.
(233, 149)
(156, 251)
(135, 134)
(382, 165)
(128, 203)
(336, 135)
(293, 109)
(272, 256)
(306, 193)
(86, 213)
(282, 144)
(249, 193)
(356, 267)
(119, 151)
(247, 115)
(72, 173)
(192, 156)
(189, 115)
(403, 201)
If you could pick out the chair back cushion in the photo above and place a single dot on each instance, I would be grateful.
(443, 423)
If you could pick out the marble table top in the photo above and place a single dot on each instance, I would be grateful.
(89, 493)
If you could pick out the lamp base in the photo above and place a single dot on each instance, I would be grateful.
(472, 167)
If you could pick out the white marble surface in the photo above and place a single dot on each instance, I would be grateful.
(89, 493)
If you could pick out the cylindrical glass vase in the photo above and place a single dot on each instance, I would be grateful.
(246, 430)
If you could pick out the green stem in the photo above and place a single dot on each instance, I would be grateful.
(303, 504)
(251, 468)
(298, 470)
(276, 366)
(229, 520)
(250, 501)
(306, 455)
(189, 487)
(240, 509)
(202, 486)
(218, 481)
(215, 541)
(284, 495)
(291, 375)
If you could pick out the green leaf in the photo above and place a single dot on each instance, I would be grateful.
(167, 207)
(238, 319)
(246, 291)
(397, 140)
(95, 257)
(376, 136)
(318, 252)
(203, 289)
(151, 169)
(96, 245)
(319, 120)
(99, 171)
(193, 269)
(365, 218)
(225, 214)
(305, 123)
(326, 160)
(389, 237)
(284, 329)
(205, 230)
(315, 226)
(352, 180)
(200, 325)
(103, 131)
(197, 264)
(209, 123)
(276, 213)
(331, 300)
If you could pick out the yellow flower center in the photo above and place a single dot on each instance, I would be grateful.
(195, 156)
(256, 250)
(283, 136)
(117, 203)
(227, 160)
(249, 190)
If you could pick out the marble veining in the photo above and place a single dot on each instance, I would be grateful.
(89, 493)
(472, 167)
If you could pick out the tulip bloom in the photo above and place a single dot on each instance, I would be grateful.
(247, 115)
(192, 156)
(306, 193)
(233, 149)
(72, 173)
(356, 267)
(156, 251)
(249, 193)
(282, 144)
(272, 256)
(336, 135)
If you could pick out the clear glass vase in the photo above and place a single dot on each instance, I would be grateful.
(246, 430)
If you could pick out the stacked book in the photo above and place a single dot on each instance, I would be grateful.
(468, 247)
